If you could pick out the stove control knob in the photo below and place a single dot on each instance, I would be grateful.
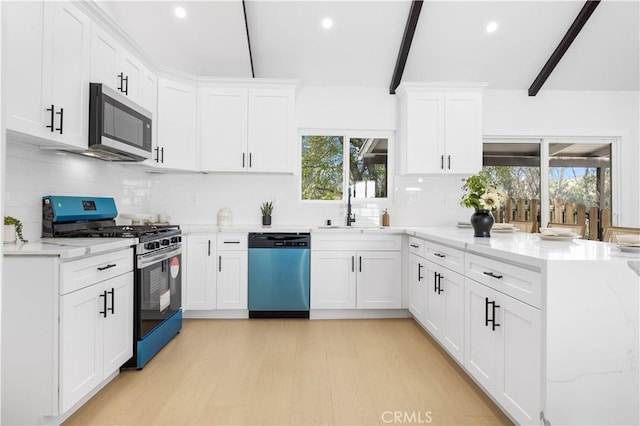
(156, 244)
(174, 240)
(149, 246)
(165, 242)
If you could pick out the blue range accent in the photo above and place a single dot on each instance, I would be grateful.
(157, 338)
(75, 209)
(278, 279)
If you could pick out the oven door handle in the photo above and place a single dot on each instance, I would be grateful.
(144, 261)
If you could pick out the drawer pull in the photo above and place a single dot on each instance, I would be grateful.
(414, 245)
(492, 275)
(219, 263)
(440, 255)
(231, 242)
(111, 265)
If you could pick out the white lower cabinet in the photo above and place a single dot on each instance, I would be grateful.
(350, 273)
(233, 269)
(200, 285)
(96, 336)
(502, 349)
(444, 312)
(417, 287)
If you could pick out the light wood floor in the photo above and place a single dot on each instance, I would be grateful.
(248, 372)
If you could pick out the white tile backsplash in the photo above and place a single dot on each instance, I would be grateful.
(196, 198)
(31, 173)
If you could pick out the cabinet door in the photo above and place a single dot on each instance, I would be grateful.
(177, 125)
(104, 58)
(81, 343)
(463, 130)
(271, 131)
(452, 295)
(67, 43)
(425, 133)
(518, 360)
(200, 286)
(417, 287)
(379, 280)
(118, 326)
(133, 72)
(480, 340)
(333, 280)
(231, 280)
(223, 129)
(22, 67)
(435, 315)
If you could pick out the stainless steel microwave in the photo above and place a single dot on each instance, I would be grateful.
(119, 129)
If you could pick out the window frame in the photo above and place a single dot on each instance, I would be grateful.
(347, 134)
(544, 142)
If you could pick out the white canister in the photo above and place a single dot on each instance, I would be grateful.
(224, 217)
(9, 234)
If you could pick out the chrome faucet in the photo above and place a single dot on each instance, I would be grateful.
(351, 217)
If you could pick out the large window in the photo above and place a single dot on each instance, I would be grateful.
(553, 181)
(327, 176)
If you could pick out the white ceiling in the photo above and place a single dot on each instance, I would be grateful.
(450, 44)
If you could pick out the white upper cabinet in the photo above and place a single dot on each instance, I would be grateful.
(247, 129)
(176, 147)
(114, 66)
(440, 129)
(46, 66)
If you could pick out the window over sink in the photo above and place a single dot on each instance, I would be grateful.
(333, 162)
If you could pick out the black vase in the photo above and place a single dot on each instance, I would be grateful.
(266, 220)
(482, 221)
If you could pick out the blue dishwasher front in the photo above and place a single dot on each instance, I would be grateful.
(279, 275)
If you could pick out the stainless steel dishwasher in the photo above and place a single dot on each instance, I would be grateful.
(279, 275)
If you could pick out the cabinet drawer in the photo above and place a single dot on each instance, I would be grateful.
(445, 256)
(366, 242)
(83, 272)
(520, 283)
(416, 246)
(232, 241)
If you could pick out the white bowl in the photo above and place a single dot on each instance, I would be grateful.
(557, 231)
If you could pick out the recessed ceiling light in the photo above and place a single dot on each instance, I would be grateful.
(492, 27)
(327, 23)
(180, 12)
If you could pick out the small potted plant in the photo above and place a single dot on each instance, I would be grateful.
(266, 209)
(12, 230)
(482, 196)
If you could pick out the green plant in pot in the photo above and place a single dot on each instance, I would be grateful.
(12, 230)
(481, 195)
(266, 208)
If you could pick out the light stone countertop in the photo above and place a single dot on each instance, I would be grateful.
(67, 248)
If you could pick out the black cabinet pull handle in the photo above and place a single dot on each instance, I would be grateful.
(353, 263)
(231, 242)
(162, 155)
(52, 109)
(440, 255)
(61, 114)
(157, 150)
(440, 290)
(243, 156)
(360, 264)
(420, 277)
(442, 162)
(249, 160)
(449, 162)
(414, 245)
(491, 274)
(209, 248)
(493, 314)
(112, 300)
(102, 268)
(493, 321)
(486, 311)
(104, 304)
(219, 263)
(121, 77)
(435, 282)
(126, 86)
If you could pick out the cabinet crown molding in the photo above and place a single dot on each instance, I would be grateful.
(431, 86)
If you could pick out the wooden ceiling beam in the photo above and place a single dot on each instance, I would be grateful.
(572, 33)
(405, 45)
